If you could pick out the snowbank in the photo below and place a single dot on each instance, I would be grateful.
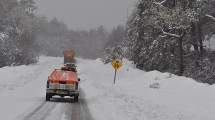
(139, 95)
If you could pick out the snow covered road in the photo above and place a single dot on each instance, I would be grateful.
(22, 94)
(58, 109)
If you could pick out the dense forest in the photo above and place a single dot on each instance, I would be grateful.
(169, 35)
(163, 35)
(17, 32)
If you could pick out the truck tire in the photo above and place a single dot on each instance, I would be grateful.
(76, 98)
(48, 97)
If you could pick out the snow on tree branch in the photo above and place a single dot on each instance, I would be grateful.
(210, 16)
(160, 3)
(166, 33)
(170, 34)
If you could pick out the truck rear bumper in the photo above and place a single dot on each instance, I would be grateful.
(61, 92)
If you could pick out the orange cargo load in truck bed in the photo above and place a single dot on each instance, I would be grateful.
(63, 76)
(69, 53)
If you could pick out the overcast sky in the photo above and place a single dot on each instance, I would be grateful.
(86, 14)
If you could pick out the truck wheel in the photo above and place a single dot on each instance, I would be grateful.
(48, 97)
(76, 98)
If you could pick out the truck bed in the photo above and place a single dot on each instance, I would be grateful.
(63, 76)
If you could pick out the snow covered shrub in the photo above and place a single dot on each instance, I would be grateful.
(156, 78)
(112, 54)
(155, 86)
(169, 76)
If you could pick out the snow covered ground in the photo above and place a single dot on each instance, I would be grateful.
(137, 95)
(169, 98)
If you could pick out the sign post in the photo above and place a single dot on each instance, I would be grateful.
(114, 77)
(116, 65)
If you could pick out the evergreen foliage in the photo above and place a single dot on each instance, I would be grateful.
(17, 32)
(168, 35)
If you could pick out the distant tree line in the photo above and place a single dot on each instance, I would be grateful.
(169, 35)
(53, 37)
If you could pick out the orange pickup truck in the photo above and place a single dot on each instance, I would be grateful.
(62, 82)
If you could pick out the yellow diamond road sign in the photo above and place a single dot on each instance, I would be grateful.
(116, 64)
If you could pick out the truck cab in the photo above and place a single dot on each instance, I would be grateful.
(71, 67)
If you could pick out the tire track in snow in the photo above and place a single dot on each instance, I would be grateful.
(39, 113)
(78, 110)
(69, 110)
